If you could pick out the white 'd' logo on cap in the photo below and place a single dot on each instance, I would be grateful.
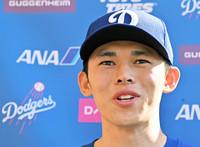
(121, 19)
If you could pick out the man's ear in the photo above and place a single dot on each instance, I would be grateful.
(171, 80)
(84, 84)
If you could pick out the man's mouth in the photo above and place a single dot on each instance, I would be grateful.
(125, 98)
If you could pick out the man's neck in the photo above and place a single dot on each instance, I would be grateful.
(132, 136)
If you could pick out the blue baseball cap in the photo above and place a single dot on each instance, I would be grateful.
(128, 25)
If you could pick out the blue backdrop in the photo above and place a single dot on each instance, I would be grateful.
(40, 101)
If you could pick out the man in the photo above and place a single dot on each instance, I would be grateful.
(127, 58)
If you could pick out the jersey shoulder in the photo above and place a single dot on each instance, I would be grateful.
(171, 142)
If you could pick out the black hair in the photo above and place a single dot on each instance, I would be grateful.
(85, 67)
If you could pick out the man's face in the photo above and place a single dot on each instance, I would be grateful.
(126, 79)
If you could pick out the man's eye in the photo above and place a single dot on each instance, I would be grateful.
(141, 61)
(107, 63)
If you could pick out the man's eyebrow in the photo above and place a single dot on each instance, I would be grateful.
(138, 53)
(106, 53)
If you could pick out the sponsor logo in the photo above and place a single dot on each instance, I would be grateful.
(121, 19)
(189, 54)
(191, 7)
(28, 110)
(113, 5)
(189, 112)
(88, 111)
(39, 6)
(46, 58)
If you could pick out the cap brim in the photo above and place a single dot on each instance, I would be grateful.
(116, 32)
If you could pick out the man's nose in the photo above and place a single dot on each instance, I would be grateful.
(124, 75)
